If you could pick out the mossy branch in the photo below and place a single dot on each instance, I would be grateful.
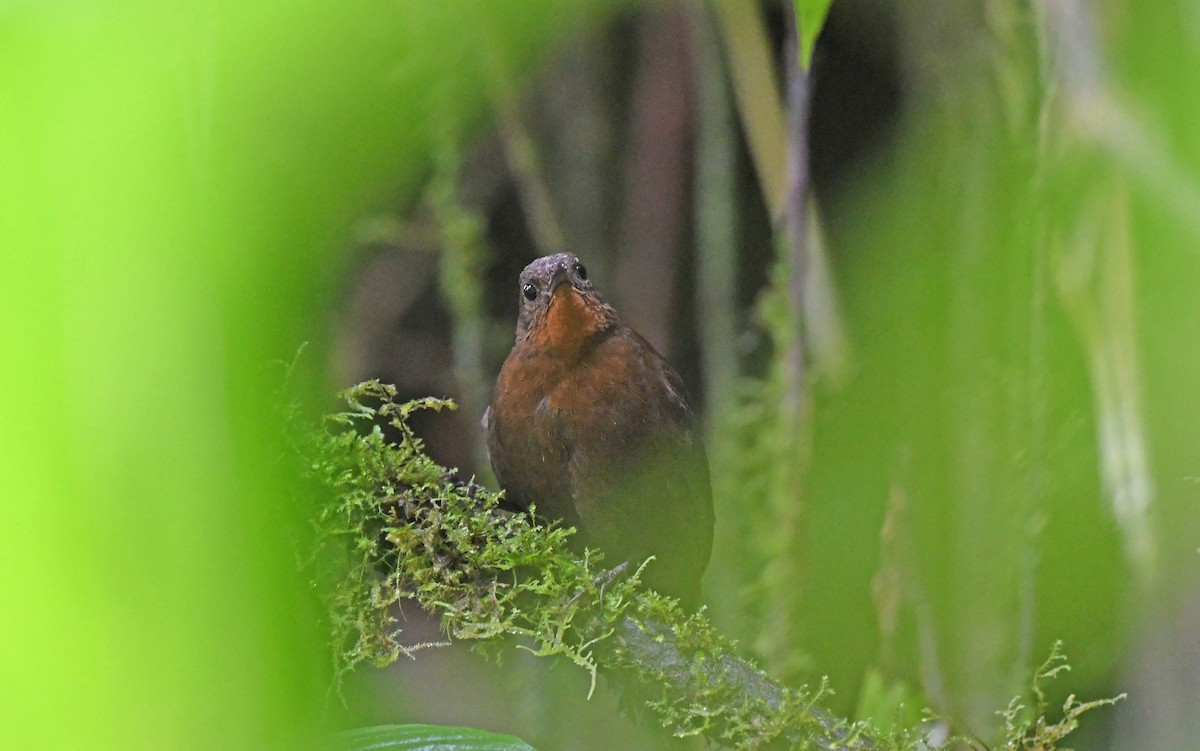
(395, 525)
(400, 526)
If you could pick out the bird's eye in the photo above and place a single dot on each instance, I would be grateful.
(581, 270)
(530, 292)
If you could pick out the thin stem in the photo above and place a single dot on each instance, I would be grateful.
(716, 217)
(756, 90)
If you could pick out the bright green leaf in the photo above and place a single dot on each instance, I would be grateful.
(810, 19)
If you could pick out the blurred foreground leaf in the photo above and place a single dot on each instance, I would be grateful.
(425, 738)
(177, 187)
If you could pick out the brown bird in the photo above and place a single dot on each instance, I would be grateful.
(589, 424)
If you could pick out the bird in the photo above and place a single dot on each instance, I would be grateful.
(591, 427)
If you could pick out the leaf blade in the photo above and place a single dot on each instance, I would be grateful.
(810, 19)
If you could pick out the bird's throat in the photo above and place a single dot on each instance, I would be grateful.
(571, 322)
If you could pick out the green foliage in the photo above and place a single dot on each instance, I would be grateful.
(810, 19)
(424, 738)
(888, 705)
(177, 186)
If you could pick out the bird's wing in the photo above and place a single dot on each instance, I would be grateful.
(639, 477)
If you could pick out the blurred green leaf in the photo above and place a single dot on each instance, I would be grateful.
(178, 187)
(810, 19)
(887, 704)
(425, 738)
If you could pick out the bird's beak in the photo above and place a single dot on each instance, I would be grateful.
(559, 276)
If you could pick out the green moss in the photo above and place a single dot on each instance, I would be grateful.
(397, 525)
(1028, 728)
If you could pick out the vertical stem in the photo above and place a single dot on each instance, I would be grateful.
(461, 277)
(757, 91)
(521, 155)
(578, 115)
(655, 208)
(783, 575)
(795, 218)
(769, 132)
(715, 216)
(1101, 300)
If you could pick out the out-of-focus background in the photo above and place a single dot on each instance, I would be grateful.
(990, 443)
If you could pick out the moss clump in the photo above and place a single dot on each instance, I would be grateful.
(1028, 728)
(396, 525)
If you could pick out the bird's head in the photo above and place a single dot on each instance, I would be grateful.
(560, 307)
